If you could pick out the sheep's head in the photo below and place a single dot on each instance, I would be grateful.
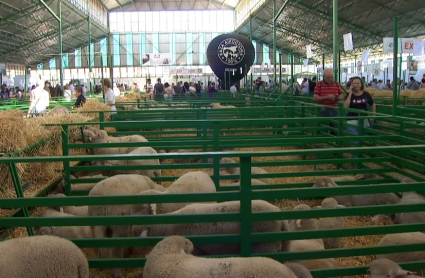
(329, 203)
(303, 224)
(324, 182)
(44, 231)
(385, 268)
(173, 245)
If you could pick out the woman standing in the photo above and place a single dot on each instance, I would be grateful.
(109, 95)
(358, 99)
(81, 100)
(168, 91)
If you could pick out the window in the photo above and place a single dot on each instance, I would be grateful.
(129, 43)
(189, 48)
(103, 50)
(135, 22)
(77, 59)
(116, 44)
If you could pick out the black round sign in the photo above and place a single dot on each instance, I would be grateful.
(228, 55)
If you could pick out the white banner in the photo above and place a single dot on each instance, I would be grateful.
(418, 48)
(389, 45)
(348, 42)
(365, 56)
(151, 59)
(309, 52)
(376, 66)
(405, 45)
(183, 71)
(305, 62)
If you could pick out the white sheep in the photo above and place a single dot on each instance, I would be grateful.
(172, 257)
(307, 244)
(218, 105)
(299, 270)
(253, 182)
(384, 268)
(303, 224)
(331, 223)
(74, 210)
(404, 238)
(356, 177)
(219, 228)
(358, 200)
(102, 137)
(310, 245)
(410, 198)
(66, 231)
(254, 170)
(191, 182)
(116, 186)
(138, 151)
(42, 257)
(50, 212)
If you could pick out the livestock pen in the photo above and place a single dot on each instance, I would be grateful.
(293, 159)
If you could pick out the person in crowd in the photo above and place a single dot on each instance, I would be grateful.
(18, 93)
(30, 93)
(185, 88)
(84, 89)
(388, 85)
(149, 87)
(357, 98)
(109, 94)
(375, 84)
(41, 99)
(423, 82)
(158, 90)
(297, 87)
(262, 88)
(234, 89)
(81, 99)
(198, 88)
(168, 91)
(312, 84)
(192, 89)
(328, 92)
(67, 93)
(59, 91)
(305, 87)
(349, 83)
(284, 86)
(258, 83)
(270, 85)
(413, 85)
(212, 90)
(177, 90)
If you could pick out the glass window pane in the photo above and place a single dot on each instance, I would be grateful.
(184, 20)
(148, 22)
(155, 21)
(142, 22)
(213, 21)
(177, 21)
(220, 18)
(113, 17)
(206, 20)
(127, 19)
(163, 22)
(170, 21)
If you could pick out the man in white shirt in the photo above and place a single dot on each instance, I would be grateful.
(234, 90)
(381, 85)
(149, 87)
(41, 99)
(109, 95)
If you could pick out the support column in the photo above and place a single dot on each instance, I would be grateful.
(274, 40)
(335, 40)
(60, 43)
(395, 57)
(280, 73)
(89, 47)
(250, 38)
(111, 60)
(25, 83)
(292, 74)
(339, 66)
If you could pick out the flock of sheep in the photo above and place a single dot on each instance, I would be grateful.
(177, 257)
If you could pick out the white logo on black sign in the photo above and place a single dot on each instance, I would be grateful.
(231, 51)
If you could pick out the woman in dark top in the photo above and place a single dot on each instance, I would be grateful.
(78, 92)
(185, 89)
(358, 99)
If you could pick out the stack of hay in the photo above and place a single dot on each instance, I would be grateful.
(405, 93)
(18, 133)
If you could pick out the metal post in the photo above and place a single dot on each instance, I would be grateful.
(89, 47)
(111, 65)
(26, 83)
(250, 38)
(280, 73)
(103, 79)
(395, 100)
(60, 43)
(339, 66)
(292, 74)
(323, 62)
(335, 40)
(274, 40)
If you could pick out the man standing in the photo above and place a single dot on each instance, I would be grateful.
(233, 89)
(158, 90)
(328, 92)
(149, 88)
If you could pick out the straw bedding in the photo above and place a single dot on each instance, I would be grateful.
(405, 93)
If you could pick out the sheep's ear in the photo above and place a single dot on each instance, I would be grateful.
(181, 251)
(145, 233)
(299, 223)
(402, 272)
(153, 208)
(359, 177)
(330, 185)
(368, 272)
(61, 209)
(90, 139)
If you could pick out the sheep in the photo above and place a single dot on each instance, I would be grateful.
(218, 105)
(60, 188)
(66, 231)
(299, 270)
(115, 186)
(331, 223)
(307, 244)
(102, 137)
(310, 245)
(410, 217)
(192, 182)
(404, 238)
(78, 211)
(253, 182)
(42, 257)
(138, 151)
(188, 229)
(58, 110)
(172, 257)
(358, 200)
(303, 224)
(357, 177)
(254, 170)
(384, 268)
(50, 212)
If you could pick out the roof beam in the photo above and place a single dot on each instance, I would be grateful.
(50, 10)
(281, 9)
